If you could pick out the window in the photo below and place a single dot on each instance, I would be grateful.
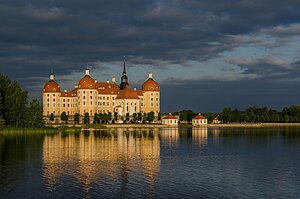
(54, 100)
(107, 98)
(47, 95)
(83, 97)
(64, 100)
(151, 98)
(84, 103)
(91, 92)
(91, 97)
(91, 103)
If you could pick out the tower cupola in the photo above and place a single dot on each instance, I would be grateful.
(124, 78)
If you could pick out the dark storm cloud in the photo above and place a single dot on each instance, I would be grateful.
(36, 36)
(214, 95)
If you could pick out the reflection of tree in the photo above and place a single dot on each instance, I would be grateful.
(101, 156)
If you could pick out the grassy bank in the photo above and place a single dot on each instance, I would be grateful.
(53, 129)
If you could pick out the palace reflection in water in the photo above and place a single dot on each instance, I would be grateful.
(109, 155)
(96, 156)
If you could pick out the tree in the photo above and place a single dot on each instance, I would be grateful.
(105, 118)
(151, 116)
(145, 117)
(86, 119)
(115, 116)
(159, 116)
(134, 117)
(64, 117)
(140, 117)
(13, 104)
(127, 117)
(100, 117)
(51, 117)
(35, 114)
(76, 118)
(109, 116)
(2, 123)
(95, 118)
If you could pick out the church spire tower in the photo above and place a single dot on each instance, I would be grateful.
(124, 78)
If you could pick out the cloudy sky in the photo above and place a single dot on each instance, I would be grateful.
(205, 54)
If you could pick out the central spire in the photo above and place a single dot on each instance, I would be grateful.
(124, 67)
(124, 78)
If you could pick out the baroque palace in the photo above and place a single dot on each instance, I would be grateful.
(90, 96)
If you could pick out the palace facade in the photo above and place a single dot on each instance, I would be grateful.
(90, 96)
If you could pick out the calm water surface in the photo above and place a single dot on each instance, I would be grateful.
(153, 163)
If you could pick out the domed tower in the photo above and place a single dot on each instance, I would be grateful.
(124, 78)
(51, 95)
(87, 94)
(151, 96)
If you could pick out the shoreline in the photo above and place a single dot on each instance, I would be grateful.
(242, 125)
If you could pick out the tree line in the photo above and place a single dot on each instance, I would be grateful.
(289, 114)
(104, 118)
(15, 108)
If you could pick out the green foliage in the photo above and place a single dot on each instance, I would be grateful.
(76, 118)
(134, 117)
(159, 116)
(105, 118)
(115, 116)
(35, 114)
(51, 117)
(109, 116)
(127, 117)
(100, 117)
(13, 102)
(95, 121)
(151, 116)
(86, 119)
(145, 117)
(2, 123)
(64, 117)
(139, 117)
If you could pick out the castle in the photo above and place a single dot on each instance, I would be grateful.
(90, 96)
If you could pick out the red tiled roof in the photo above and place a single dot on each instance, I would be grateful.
(150, 85)
(127, 93)
(107, 88)
(199, 117)
(169, 117)
(87, 83)
(51, 86)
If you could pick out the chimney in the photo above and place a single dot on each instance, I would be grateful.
(113, 79)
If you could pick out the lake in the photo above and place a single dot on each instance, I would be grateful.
(153, 163)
